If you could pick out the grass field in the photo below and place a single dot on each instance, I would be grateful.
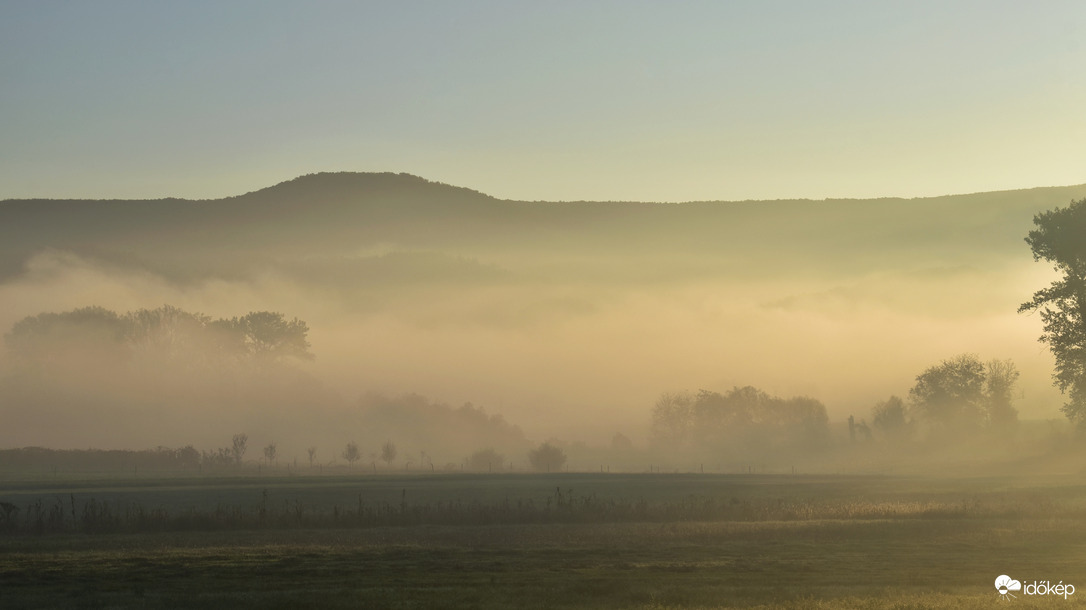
(540, 541)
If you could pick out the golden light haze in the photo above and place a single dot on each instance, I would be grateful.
(571, 320)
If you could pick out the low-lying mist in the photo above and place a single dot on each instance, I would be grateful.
(565, 340)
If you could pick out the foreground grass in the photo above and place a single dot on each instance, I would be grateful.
(861, 564)
(902, 559)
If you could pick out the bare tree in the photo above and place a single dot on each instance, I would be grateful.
(312, 451)
(240, 443)
(999, 389)
(673, 419)
(388, 452)
(271, 452)
(351, 453)
(888, 417)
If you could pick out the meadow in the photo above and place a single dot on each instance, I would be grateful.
(538, 541)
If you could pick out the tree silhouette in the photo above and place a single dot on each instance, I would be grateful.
(952, 392)
(388, 453)
(1060, 238)
(162, 335)
(963, 393)
(999, 391)
(88, 332)
(743, 421)
(312, 451)
(547, 457)
(268, 336)
(271, 452)
(485, 460)
(889, 418)
(351, 453)
(240, 442)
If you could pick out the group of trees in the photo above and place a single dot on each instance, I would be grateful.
(167, 335)
(958, 396)
(415, 421)
(352, 453)
(228, 456)
(962, 393)
(109, 374)
(547, 457)
(160, 458)
(742, 422)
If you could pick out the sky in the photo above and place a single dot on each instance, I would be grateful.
(560, 100)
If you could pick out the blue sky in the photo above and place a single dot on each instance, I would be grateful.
(667, 101)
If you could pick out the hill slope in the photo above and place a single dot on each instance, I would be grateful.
(331, 214)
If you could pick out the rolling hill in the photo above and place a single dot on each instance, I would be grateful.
(321, 217)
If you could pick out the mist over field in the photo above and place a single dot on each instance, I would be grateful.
(681, 305)
(563, 321)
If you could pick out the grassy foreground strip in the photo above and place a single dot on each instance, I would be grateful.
(931, 563)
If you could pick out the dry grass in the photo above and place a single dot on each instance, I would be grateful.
(753, 542)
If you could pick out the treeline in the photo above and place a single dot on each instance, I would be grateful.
(743, 423)
(164, 334)
(159, 458)
(97, 377)
(404, 433)
(959, 398)
(429, 430)
(545, 457)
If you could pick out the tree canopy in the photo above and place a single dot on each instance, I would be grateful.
(167, 334)
(1060, 239)
(889, 418)
(963, 393)
(742, 422)
(547, 457)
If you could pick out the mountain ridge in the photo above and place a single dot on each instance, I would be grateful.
(350, 182)
(338, 213)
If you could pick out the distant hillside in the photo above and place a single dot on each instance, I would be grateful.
(330, 214)
(561, 316)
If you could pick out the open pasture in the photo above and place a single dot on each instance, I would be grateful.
(560, 540)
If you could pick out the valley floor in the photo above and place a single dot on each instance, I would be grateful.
(919, 558)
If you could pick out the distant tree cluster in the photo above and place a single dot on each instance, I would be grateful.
(351, 453)
(891, 418)
(964, 393)
(485, 460)
(547, 457)
(420, 423)
(742, 422)
(160, 458)
(167, 334)
(960, 395)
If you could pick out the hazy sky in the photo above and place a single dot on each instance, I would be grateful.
(543, 100)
